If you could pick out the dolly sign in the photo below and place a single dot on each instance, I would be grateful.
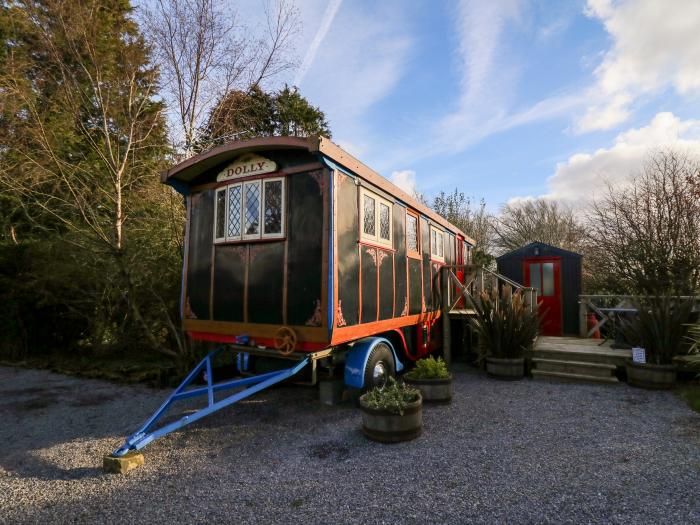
(246, 166)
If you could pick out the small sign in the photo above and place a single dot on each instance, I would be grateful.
(246, 165)
(639, 355)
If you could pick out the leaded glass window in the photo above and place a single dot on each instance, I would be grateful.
(369, 226)
(234, 212)
(251, 208)
(437, 244)
(220, 214)
(273, 207)
(412, 233)
(376, 218)
(384, 222)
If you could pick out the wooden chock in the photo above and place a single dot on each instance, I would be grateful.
(122, 464)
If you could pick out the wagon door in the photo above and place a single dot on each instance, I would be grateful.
(544, 275)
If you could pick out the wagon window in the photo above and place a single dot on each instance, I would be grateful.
(234, 212)
(274, 193)
(384, 218)
(220, 215)
(369, 215)
(412, 245)
(437, 244)
(250, 210)
(376, 218)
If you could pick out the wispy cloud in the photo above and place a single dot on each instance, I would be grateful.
(326, 22)
(655, 45)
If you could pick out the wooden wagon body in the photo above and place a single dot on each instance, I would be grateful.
(297, 233)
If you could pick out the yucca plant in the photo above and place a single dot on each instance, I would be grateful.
(661, 327)
(506, 326)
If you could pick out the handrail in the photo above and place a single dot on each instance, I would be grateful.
(604, 314)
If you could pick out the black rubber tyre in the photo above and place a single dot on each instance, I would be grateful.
(381, 356)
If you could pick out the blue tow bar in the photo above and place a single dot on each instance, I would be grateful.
(144, 435)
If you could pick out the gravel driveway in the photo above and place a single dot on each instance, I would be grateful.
(521, 452)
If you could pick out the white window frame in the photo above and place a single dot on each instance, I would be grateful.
(279, 234)
(261, 232)
(216, 213)
(417, 252)
(440, 234)
(376, 238)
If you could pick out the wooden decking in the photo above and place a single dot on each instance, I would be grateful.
(588, 350)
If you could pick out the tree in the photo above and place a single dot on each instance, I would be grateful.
(204, 53)
(241, 115)
(540, 220)
(84, 138)
(646, 235)
(475, 221)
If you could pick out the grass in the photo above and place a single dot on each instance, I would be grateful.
(691, 395)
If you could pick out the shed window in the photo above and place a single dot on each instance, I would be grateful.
(376, 218)
(412, 240)
(437, 244)
(250, 210)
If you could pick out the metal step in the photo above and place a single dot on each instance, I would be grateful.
(573, 367)
(567, 377)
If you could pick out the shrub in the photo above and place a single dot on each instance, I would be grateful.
(393, 396)
(429, 368)
(660, 327)
(505, 326)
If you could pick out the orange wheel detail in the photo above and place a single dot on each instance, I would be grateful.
(285, 340)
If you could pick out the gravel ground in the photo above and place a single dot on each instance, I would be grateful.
(522, 452)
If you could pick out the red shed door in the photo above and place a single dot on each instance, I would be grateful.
(544, 274)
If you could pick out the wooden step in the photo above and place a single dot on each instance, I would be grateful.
(567, 377)
(616, 358)
(573, 367)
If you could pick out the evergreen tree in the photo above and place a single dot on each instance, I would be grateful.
(242, 115)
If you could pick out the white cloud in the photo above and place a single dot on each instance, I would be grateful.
(655, 46)
(406, 180)
(326, 22)
(361, 61)
(584, 175)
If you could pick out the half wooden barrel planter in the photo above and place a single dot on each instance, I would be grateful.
(386, 426)
(432, 390)
(509, 369)
(655, 377)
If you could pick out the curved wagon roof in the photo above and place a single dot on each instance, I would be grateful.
(187, 170)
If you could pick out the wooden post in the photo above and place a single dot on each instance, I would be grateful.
(582, 318)
(446, 335)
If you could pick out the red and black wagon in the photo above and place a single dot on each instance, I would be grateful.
(296, 250)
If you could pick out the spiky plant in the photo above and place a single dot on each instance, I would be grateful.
(661, 327)
(506, 326)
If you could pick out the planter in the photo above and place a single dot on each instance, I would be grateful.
(432, 390)
(502, 368)
(387, 427)
(656, 377)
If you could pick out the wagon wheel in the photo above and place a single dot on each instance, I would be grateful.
(285, 340)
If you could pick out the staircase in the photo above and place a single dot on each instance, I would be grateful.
(575, 360)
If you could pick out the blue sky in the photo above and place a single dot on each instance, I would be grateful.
(503, 99)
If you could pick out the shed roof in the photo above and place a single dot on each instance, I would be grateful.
(551, 250)
(187, 170)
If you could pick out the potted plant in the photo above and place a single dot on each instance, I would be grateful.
(506, 327)
(432, 378)
(660, 326)
(392, 413)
